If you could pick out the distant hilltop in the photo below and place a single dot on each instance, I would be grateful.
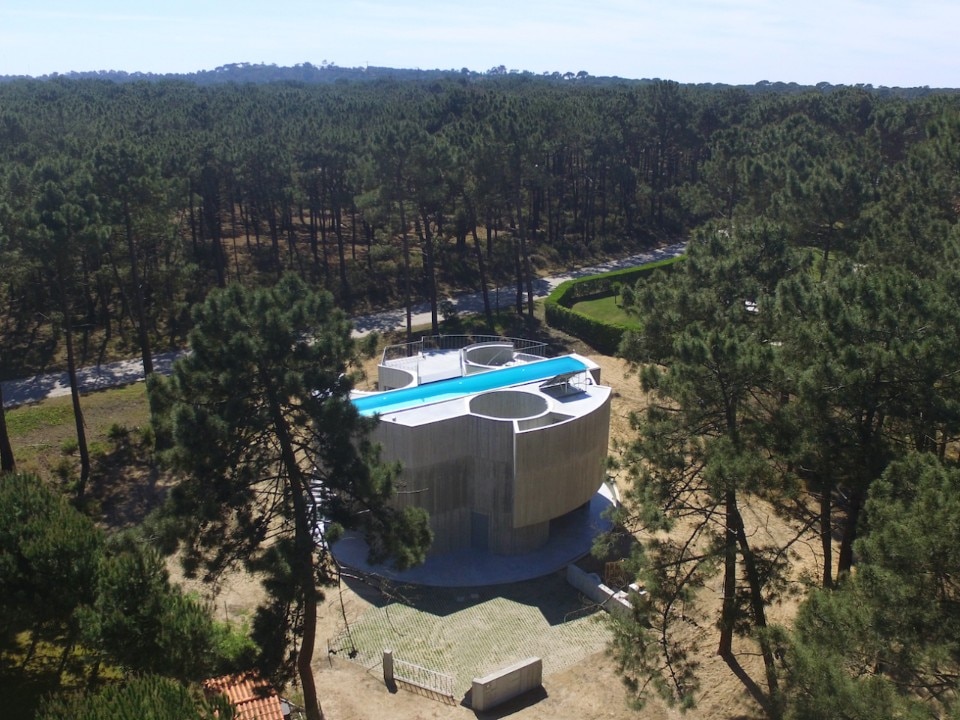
(308, 74)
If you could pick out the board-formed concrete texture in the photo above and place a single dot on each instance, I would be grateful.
(506, 683)
(494, 442)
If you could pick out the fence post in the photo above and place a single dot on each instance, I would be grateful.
(388, 668)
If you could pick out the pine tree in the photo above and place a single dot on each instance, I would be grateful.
(274, 457)
(886, 642)
(147, 696)
(705, 354)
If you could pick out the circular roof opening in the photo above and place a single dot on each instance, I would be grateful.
(508, 404)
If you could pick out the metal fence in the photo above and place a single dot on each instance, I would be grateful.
(430, 343)
(423, 678)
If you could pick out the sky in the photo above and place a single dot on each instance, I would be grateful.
(893, 43)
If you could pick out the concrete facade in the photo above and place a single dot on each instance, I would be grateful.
(494, 468)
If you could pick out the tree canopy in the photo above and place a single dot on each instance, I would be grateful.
(887, 642)
(804, 347)
(275, 459)
(104, 601)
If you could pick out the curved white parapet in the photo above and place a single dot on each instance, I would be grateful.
(395, 378)
(481, 357)
(542, 421)
(508, 405)
(559, 459)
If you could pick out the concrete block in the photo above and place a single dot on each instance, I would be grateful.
(505, 684)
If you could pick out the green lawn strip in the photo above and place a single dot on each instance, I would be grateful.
(605, 310)
(28, 419)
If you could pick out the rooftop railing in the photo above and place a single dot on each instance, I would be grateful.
(440, 343)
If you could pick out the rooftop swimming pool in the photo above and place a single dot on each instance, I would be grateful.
(410, 397)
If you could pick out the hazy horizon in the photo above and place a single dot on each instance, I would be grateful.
(737, 42)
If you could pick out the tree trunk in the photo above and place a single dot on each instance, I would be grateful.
(304, 547)
(213, 225)
(68, 645)
(429, 267)
(341, 253)
(757, 605)
(729, 608)
(295, 261)
(845, 557)
(406, 270)
(77, 410)
(518, 269)
(311, 700)
(353, 232)
(322, 224)
(193, 225)
(7, 461)
(483, 278)
(489, 229)
(826, 533)
(274, 227)
(314, 246)
(142, 335)
(525, 257)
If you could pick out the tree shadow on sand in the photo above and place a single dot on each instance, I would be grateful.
(761, 698)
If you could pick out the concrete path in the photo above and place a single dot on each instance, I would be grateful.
(473, 302)
(95, 377)
(124, 372)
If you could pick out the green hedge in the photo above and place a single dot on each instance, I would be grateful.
(604, 337)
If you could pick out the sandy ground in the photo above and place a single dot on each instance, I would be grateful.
(590, 689)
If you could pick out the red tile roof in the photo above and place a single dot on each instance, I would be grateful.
(252, 696)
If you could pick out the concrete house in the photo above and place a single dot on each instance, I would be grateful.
(496, 442)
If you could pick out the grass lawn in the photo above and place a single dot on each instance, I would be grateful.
(606, 310)
(45, 433)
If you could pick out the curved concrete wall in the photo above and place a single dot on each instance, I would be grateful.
(391, 378)
(559, 467)
(485, 356)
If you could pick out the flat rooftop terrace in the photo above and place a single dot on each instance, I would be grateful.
(392, 401)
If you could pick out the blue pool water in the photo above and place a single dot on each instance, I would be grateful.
(404, 398)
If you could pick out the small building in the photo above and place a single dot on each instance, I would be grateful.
(496, 441)
(253, 697)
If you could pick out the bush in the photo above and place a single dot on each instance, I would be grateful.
(147, 438)
(65, 469)
(119, 434)
(235, 649)
(147, 696)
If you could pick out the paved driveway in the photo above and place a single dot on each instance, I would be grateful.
(124, 372)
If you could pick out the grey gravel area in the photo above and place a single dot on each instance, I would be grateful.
(470, 632)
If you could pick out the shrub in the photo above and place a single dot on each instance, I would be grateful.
(118, 433)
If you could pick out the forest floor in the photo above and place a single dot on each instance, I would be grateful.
(468, 632)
